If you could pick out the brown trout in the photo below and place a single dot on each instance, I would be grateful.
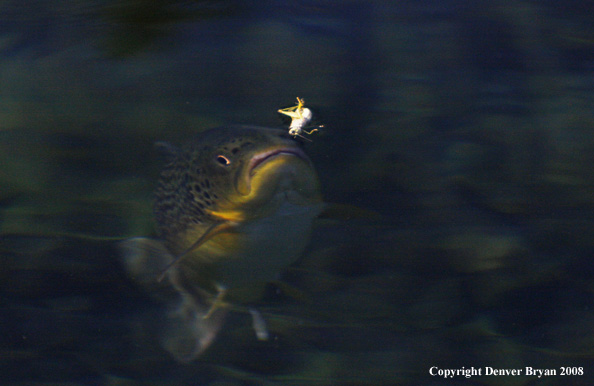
(234, 208)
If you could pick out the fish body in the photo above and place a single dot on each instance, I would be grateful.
(234, 207)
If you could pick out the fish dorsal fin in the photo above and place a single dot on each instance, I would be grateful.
(167, 150)
(211, 231)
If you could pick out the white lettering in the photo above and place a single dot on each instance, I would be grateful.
(451, 373)
(503, 372)
(540, 372)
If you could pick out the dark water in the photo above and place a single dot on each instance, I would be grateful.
(465, 128)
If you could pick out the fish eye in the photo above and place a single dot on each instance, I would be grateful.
(223, 160)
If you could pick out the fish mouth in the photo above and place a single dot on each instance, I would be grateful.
(259, 161)
(263, 157)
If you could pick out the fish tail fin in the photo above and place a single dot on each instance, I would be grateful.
(191, 321)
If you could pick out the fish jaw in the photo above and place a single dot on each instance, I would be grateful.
(262, 157)
(268, 172)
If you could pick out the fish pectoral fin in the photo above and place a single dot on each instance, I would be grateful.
(217, 303)
(211, 231)
(144, 258)
(188, 333)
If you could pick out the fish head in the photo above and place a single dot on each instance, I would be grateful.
(270, 166)
(234, 174)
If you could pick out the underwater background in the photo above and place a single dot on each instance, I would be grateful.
(459, 134)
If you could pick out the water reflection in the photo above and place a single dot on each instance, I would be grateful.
(465, 127)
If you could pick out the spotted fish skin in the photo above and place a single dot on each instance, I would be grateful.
(233, 208)
(189, 184)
